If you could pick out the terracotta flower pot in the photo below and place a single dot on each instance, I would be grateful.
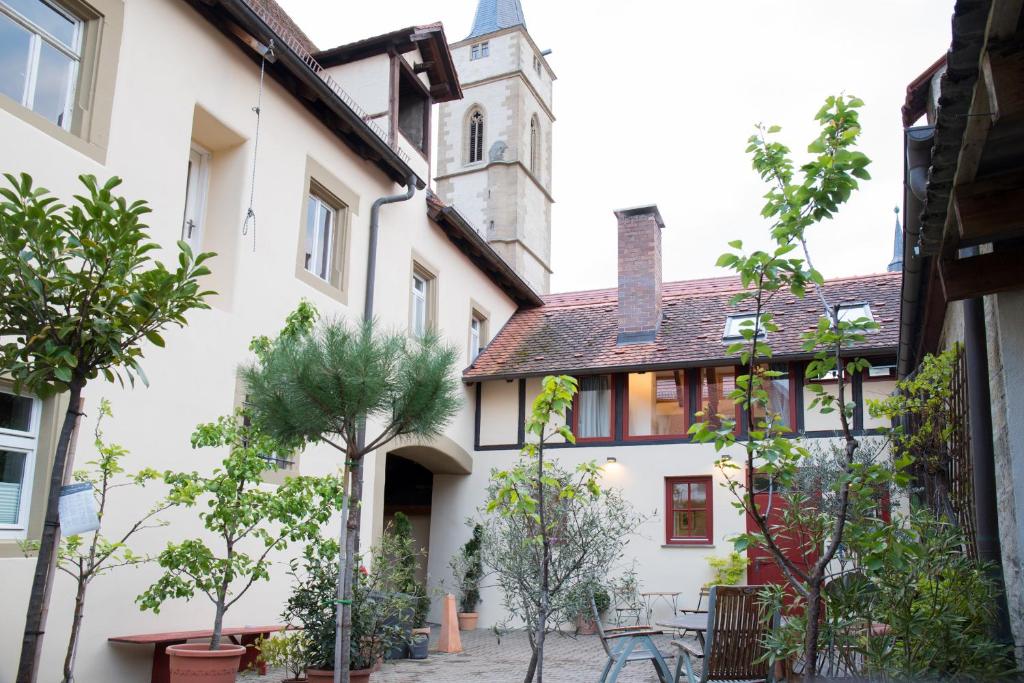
(327, 676)
(467, 620)
(197, 662)
(585, 627)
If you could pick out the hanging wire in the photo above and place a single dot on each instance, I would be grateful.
(250, 214)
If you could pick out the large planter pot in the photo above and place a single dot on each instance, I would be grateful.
(585, 626)
(419, 644)
(467, 620)
(194, 662)
(327, 676)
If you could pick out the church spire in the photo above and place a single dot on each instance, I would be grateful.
(896, 265)
(495, 15)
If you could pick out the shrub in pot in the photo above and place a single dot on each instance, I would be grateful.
(311, 604)
(398, 548)
(468, 570)
(286, 651)
(249, 520)
(581, 596)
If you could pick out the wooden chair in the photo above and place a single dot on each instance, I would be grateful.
(626, 644)
(734, 643)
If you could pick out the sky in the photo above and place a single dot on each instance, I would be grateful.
(655, 100)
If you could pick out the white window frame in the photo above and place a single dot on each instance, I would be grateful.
(27, 443)
(476, 334)
(733, 329)
(851, 312)
(480, 50)
(197, 186)
(322, 207)
(420, 303)
(39, 35)
(885, 370)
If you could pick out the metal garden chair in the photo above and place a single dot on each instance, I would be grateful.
(626, 644)
(734, 643)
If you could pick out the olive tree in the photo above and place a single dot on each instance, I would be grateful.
(81, 295)
(332, 386)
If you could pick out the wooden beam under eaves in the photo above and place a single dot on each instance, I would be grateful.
(990, 209)
(1003, 74)
(975, 276)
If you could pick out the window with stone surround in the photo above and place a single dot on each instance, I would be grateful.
(475, 136)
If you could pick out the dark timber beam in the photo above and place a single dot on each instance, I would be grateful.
(982, 274)
(1003, 76)
(990, 209)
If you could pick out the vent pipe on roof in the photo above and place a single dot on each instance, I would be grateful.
(639, 274)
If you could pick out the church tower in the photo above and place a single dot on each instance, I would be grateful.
(494, 145)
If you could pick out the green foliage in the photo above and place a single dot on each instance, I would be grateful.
(81, 290)
(375, 629)
(327, 383)
(398, 548)
(285, 651)
(580, 595)
(237, 508)
(729, 570)
(467, 567)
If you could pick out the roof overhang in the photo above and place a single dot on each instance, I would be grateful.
(300, 74)
(483, 256)
(430, 39)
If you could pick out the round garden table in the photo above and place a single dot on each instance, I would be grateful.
(698, 623)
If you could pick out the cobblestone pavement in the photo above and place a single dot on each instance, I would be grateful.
(485, 660)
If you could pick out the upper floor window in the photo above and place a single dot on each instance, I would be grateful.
(593, 410)
(657, 404)
(480, 50)
(536, 64)
(775, 380)
(196, 185)
(19, 441)
(421, 302)
(534, 145)
(735, 324)
(476, 137)
(715, 386)
(477, 331)
(321, 219)
(40, 56)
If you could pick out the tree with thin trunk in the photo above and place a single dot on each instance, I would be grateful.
(81, 296)
(333, 386)
(87, 559)
(544, 536)
(249, 518)
(794, 205)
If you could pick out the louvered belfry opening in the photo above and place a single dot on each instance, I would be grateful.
(476, 137)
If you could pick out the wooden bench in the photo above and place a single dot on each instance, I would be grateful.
(245, 635)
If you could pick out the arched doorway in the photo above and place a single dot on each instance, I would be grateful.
(408, 488)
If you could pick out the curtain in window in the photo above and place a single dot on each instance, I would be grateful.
(595, 407)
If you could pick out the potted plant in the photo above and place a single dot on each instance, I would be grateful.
(311, 604)
(729, 570)
(585, 624)
(468, 570)
(398, 547)
(285, 651)
(249, 521)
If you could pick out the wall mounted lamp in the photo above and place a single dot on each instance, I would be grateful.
(611, 459)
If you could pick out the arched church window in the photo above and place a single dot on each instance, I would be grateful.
(476, 136)
(534, 145)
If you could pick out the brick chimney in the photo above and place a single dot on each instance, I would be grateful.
(639, 274)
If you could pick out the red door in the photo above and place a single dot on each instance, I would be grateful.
(795, 543)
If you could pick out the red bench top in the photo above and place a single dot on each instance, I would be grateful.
(174, 636)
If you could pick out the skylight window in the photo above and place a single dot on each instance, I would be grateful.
(734, 327)
(852, 312)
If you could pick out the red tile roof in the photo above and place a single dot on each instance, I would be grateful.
(575, 332)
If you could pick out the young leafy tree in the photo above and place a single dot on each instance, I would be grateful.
(536, 502)
(331, 386)
(795, 203)
(241, 511)
(84, 560)
(81, 293)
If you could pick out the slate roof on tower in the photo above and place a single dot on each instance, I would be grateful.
(495, 15)
(575, 332)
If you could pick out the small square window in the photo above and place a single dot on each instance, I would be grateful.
(735, 324)
(688, 510)
(480, 50)
(852, 312)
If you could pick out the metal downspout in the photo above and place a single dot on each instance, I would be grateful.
(371, 261)
(979, 406)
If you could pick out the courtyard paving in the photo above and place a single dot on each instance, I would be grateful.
(568, 659)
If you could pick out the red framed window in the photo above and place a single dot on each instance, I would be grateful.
(593, 414)
(688, 510)
(656, 405)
